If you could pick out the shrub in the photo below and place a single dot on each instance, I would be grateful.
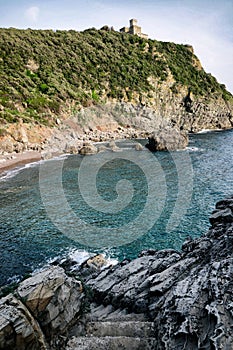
(43, 88)
(78, 66)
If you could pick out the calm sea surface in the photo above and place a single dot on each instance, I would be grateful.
(35, 225)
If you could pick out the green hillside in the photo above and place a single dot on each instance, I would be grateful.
(41, 71)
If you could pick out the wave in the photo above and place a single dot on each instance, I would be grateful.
(194, 149)
(9, 174)
(205, 131)
(6, 175)
(78, 257)
(14, 279)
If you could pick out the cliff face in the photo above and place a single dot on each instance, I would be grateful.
(116, 121)
(162, 300)
(47, 75)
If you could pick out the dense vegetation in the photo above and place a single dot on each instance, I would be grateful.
(42, 70)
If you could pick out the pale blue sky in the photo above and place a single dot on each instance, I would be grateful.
(206, 24)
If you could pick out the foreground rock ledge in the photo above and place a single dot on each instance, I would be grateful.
(162, 300)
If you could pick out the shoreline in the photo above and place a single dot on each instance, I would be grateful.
(12, 161)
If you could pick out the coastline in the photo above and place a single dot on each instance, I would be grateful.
(11, 161)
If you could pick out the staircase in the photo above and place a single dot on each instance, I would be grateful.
(105, 329)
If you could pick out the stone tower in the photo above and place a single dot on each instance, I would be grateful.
(133, 22)
(134, 29)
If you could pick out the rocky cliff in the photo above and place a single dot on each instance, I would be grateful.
(114, 121)
(162, 300)
(98, 82)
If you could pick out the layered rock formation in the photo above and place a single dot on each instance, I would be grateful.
(40, 312)
(120, 121)
(162, 300)
(18, 329)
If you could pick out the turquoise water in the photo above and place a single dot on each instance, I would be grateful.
(30, 236)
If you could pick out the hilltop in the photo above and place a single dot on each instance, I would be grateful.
(46, 75)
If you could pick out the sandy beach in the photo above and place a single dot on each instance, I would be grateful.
(10, 161)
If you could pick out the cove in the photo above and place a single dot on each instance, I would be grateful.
(29, 238)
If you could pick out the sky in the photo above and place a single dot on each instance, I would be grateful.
(207, 25)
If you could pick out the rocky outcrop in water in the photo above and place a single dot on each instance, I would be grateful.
(87, 149)
(164, 299)
(167, 139)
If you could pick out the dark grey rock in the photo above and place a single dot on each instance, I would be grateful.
(167, 139)
(188, 294)
(221, 216)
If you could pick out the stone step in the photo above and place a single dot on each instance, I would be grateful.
(136, 329)
(111, 343)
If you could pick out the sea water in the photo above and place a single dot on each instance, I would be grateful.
(42, 204)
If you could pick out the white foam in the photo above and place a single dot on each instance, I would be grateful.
(111, 261)
(60, 157)
(14, 279)
(11, 173)
(80, 256)
(193, 149)
(205, 131)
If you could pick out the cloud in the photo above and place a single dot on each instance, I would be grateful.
(32, 13)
